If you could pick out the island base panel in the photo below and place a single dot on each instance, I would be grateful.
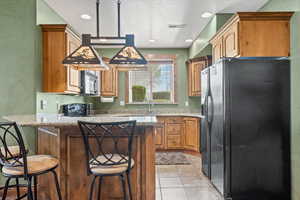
(66, 144)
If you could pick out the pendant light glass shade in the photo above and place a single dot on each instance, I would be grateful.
(85, 57)
(128, 55)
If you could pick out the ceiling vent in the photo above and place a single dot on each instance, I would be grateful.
(177, 26)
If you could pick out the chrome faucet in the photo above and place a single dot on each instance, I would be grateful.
(150, 106)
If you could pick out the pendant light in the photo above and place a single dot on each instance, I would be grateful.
(128, 55)
(86, 57)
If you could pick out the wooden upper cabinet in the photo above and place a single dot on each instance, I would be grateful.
(194, 68)
(253, 34)
(230, 41)
(217, 49)
(73, 78)
(58, 42)
(191, 133)
(109, 82)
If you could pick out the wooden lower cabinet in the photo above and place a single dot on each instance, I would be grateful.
(191, 133)
(159, 137)
(174, 142)
(177, 133)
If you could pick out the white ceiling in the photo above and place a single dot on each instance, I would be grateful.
(149, 19)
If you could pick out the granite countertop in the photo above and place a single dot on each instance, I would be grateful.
(163, 114)
(40, 120)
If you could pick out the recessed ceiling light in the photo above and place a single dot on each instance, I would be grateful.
(206, 14)
(85, 16)
(189, 40)
(151, 40)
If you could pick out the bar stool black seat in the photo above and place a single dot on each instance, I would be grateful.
(117, 162)
(16, 164)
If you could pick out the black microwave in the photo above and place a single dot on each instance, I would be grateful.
(89, 83)
(77, 109)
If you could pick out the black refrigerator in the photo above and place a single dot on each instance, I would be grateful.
(245, 131)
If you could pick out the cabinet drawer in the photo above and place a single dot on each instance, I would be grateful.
(173, 120)
(174, 141)
(174, 129)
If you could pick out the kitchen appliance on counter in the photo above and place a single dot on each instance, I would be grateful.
(246, 105)
(90, 83)
(77, 109)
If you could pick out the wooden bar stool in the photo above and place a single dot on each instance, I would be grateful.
(115, 163)
(16, 164)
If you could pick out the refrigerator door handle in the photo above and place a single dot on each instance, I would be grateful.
(204, 107)
(210, 115)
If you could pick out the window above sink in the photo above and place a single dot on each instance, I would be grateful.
(156, 85)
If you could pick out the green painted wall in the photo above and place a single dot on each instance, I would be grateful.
(293, 5)
(20, 61)
(46, 15)
(182, 56)
(201, 46)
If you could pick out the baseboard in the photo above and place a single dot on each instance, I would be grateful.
(191, 152)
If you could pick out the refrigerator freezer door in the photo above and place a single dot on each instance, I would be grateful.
(216, 115)
(259, 113)
(205, 139)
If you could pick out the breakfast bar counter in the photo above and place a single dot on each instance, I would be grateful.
(60, 136)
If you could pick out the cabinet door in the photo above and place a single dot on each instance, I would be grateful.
(174, 138)
(196, 77)
(217, 49)
(191, 133)
(230, 41)
(174, 142)
(159, 137)
(73, 75)
(109, 82)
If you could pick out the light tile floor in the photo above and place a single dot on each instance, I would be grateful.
(184, 182)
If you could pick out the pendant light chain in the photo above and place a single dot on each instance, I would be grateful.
(119, 18)
(97, 20)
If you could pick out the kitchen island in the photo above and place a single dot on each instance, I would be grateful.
(60, 136)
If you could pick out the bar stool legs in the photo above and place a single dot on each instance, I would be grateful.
(57, 184)
(5, 189)
(35, 187)
(129, 185)
(99, 189)
(29, 190)
(92, 188)
(123, 186)
(18, 188)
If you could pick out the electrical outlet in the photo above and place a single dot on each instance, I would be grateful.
(122, 103)
(43, 104)
(186, 103)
